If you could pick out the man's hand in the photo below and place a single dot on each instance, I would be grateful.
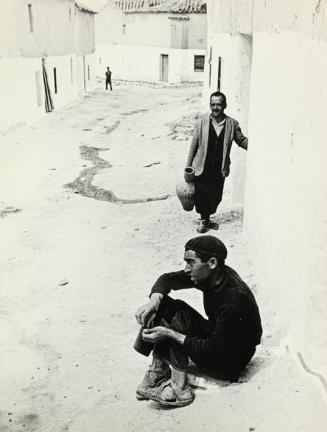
(160, 333)
(156, 334)
(146, 313)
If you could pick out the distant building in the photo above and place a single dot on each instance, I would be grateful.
(148, 40)
(269, 56)
(46, 57)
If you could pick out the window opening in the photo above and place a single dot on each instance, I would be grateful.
(199, 63)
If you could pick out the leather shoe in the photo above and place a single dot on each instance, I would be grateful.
(202, 226)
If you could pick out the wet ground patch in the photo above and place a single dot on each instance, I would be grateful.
(83, 183)
(9, 210)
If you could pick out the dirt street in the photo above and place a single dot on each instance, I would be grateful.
(89, 219)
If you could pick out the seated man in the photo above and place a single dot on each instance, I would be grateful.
(221, 345)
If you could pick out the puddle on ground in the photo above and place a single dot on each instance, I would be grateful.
(83, 183)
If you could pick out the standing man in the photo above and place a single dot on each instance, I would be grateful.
(108, 78)
(221, 345)
(209, 157)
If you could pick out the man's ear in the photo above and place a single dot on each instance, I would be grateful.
(213, 263)
(225, 105)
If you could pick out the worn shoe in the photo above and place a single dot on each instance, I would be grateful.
(213, 225)
(169, 394)
(152, 378)
(202, 226)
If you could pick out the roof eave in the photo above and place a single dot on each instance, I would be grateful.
(85, 8)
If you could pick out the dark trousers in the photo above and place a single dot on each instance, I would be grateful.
(108, 82)
(181, 317)
(209, 187)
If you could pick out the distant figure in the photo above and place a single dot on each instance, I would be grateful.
(108, 78)
(209, 157)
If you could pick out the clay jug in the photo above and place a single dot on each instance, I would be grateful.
(185, 190)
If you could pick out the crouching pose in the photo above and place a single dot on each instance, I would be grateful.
(221, 346)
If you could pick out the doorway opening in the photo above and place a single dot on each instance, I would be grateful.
(164, 67)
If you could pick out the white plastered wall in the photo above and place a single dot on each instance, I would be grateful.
(235, 51)
(142, 63)
(286, 199)
(82, 73)
(19, 103)
(187, 68)
(66, 88)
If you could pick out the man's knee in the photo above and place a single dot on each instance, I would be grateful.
(174, 314)
(169, 307)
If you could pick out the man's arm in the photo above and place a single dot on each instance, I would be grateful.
(220, 342)
(239, 138)
(194, 146)
(164, 284)
(171, 281)
(146, 313)
(159, 333)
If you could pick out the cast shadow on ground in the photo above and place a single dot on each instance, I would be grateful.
(200, 382)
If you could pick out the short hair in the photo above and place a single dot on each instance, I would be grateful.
(219, 94)
(205, 258)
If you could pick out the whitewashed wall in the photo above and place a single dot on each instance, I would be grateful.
(131, 45)
(90, 82)
(235, 51)
(142, 63)
(187, 65)
(281, 73)
(53, 28)
(286, 199)
(18, 102)
(63, 35)
(66, 87)
(22, 93)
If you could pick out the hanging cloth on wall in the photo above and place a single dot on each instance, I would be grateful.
(48, 99)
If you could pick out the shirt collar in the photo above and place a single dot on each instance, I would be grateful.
(218, 123)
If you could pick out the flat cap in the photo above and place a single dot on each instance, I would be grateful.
(207, 245)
